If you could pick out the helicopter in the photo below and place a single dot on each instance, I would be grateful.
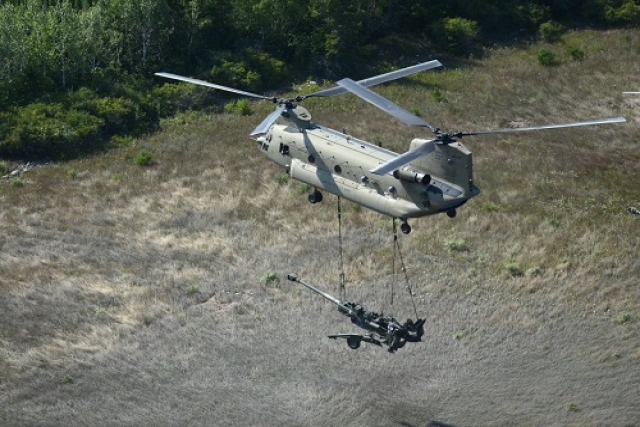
(434, 176)
(384, 331)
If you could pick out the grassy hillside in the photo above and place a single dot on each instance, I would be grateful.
(157, 295)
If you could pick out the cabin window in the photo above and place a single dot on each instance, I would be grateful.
(311, 158)
(337, 169)
(284, 149)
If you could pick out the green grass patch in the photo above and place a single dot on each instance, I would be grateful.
(191, 290)
(282, 178)
(456, 244)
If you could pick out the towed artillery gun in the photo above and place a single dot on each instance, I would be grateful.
(384, 331)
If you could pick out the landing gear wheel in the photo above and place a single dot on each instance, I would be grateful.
(451, 213)
(315, 197)
(353, 342)
(405, 227)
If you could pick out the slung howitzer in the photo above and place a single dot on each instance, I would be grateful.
(383, 330)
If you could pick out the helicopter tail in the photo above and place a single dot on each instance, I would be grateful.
(452, 162)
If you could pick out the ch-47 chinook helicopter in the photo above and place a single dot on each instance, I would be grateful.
(434, 176)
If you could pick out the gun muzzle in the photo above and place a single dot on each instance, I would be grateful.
(295, 278)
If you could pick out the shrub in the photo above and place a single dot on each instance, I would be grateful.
(551, 32)
(627, 13)
(241, 107)
(572, 406)
(623, 318)
(41, 130)
(513, 268)
(460, 34)
(303, 187)
(282, 178)
(437, 94)
(143, 158)
(576, 53)
(171, 98)
(269, 276)
(240, 70)
(547, 57)
(16, 182)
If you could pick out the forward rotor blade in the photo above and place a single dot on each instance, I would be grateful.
(268, 121)
(382, 78)
(554, 126)
(403, 159)
(213, 85)
(384, 104)
(632, 93)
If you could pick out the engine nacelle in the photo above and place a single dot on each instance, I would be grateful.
(406, 174)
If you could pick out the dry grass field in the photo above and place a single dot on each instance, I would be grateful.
(157, 296)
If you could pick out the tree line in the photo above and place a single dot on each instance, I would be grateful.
(80, 68)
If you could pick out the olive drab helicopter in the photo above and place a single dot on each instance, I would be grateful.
(434, 176)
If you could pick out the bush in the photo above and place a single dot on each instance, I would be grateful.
(513, 268)
(143, 158)
(4, 167)
(250, 69)
(547, 57)
(460, 35)
(623, 318)
(282, 178)
(42, 130)
(241, 107)
(551, 32)
(576, 53)
(269, 276)
(627, 14)
(171, 98)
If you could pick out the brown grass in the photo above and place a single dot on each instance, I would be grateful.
(136, 295)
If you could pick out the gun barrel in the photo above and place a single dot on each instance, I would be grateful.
(295, 278)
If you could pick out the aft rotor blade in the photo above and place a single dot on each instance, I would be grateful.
(268, 121)
(403, 159)
(632, 93)
(382, 78)
(553, 126)
(384, 104)
(213, 85)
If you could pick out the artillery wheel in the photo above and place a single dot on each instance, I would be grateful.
(353, 342)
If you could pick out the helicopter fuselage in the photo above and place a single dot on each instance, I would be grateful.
(340, 164)
(433, 176)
